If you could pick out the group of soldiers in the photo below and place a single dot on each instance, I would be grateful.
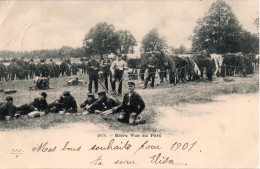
(112, 71)
(129, 110)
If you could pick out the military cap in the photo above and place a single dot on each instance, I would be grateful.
(9, 98)
(66, 93)
(44, 94)
(102, 93)
(131, 83)
(91, 95)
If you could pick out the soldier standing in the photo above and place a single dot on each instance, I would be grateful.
(117, 70)
(152, 64)
(92, 70)
(31, 60)
(105, 66)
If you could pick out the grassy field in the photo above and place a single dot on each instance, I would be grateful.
(163, 95)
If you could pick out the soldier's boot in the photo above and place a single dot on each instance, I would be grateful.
(145, 84)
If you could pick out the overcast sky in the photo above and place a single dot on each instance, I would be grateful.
(29, 25)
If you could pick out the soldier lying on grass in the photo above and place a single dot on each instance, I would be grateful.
(39, 104)
(65, 104)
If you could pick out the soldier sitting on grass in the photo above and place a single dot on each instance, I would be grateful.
(38, 104)
(91, 99)
(7, 109)
(131, 107)
(104, 103)
(65, 104)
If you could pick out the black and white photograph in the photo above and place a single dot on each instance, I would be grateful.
(129, 84)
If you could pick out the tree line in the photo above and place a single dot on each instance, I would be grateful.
(63, 52)
(218, 32)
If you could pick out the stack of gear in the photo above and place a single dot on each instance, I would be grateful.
(73, 81)
(42, 82)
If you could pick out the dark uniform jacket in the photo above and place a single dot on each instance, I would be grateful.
(105, 64)
(87, 102)
(133, 104)
(7, 109)
(91, 65)
(40, 104)
(152, 61)
(68, 102)
(105, 104)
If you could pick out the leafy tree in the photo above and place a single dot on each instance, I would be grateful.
(65, 51)
(218, 31)
(153, 42)
(78, 52)
(249, 43)
(101, 39)
(126, 41)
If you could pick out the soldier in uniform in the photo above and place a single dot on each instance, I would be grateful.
(68, 60)
(152, 64)
(211, 67)
(7, 109)
(38, 104)
(31, 60)
(92, 70)
(91, 99)
(104, 103)
(66, 102)
(105, 66)
(243, 66)
(117, 69)
(131, 107)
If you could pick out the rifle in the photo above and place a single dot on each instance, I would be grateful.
(107, 112)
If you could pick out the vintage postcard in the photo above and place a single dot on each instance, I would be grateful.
(129, 84)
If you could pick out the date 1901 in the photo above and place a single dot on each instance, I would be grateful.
(182, 146)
